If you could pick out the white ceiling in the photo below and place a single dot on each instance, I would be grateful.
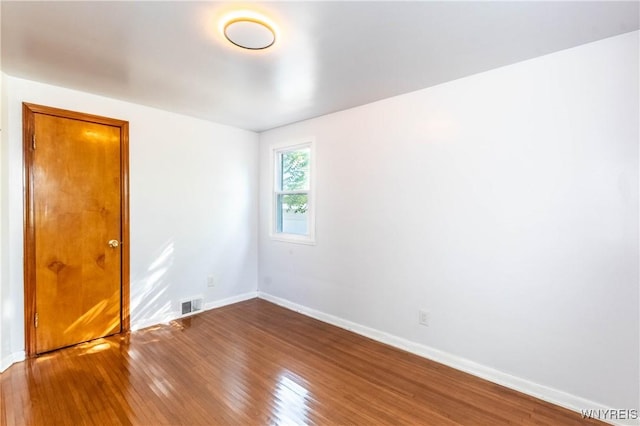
(329, 55)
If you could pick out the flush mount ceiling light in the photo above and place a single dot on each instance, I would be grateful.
(249, 31)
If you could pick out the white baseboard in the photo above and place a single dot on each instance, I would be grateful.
(231, 300)
(6, 361)
(154, 320)
(545, 393)
(170, 316)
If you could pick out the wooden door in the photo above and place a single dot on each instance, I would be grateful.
(76, 227)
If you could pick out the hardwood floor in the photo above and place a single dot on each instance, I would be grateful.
(254, 363)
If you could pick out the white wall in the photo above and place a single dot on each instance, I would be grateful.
(4, 226)
(2, 143)
(193, 198)
(517, 194)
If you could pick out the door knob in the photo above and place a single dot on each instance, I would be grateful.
(113, 243)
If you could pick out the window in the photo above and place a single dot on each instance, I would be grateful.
(293, 214)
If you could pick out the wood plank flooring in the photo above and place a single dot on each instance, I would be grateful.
(254, 363)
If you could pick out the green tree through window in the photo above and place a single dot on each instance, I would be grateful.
(294, 177)
(292, 196)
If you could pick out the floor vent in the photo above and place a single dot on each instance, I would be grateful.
(193, 305)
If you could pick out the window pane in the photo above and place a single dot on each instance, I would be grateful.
(291, 214)
(294, 170)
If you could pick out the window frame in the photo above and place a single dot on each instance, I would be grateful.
(276, 150)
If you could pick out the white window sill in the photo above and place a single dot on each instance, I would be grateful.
(293, 238)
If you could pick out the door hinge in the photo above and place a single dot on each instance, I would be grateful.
(35, 321)
(33, 142)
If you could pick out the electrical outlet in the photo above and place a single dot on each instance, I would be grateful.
(210, 281)
(424, 317)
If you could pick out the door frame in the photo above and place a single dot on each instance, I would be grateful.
(28, 131)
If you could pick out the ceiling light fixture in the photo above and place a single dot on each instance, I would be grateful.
(249, 31)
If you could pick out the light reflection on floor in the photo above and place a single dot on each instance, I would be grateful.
(291, 401)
